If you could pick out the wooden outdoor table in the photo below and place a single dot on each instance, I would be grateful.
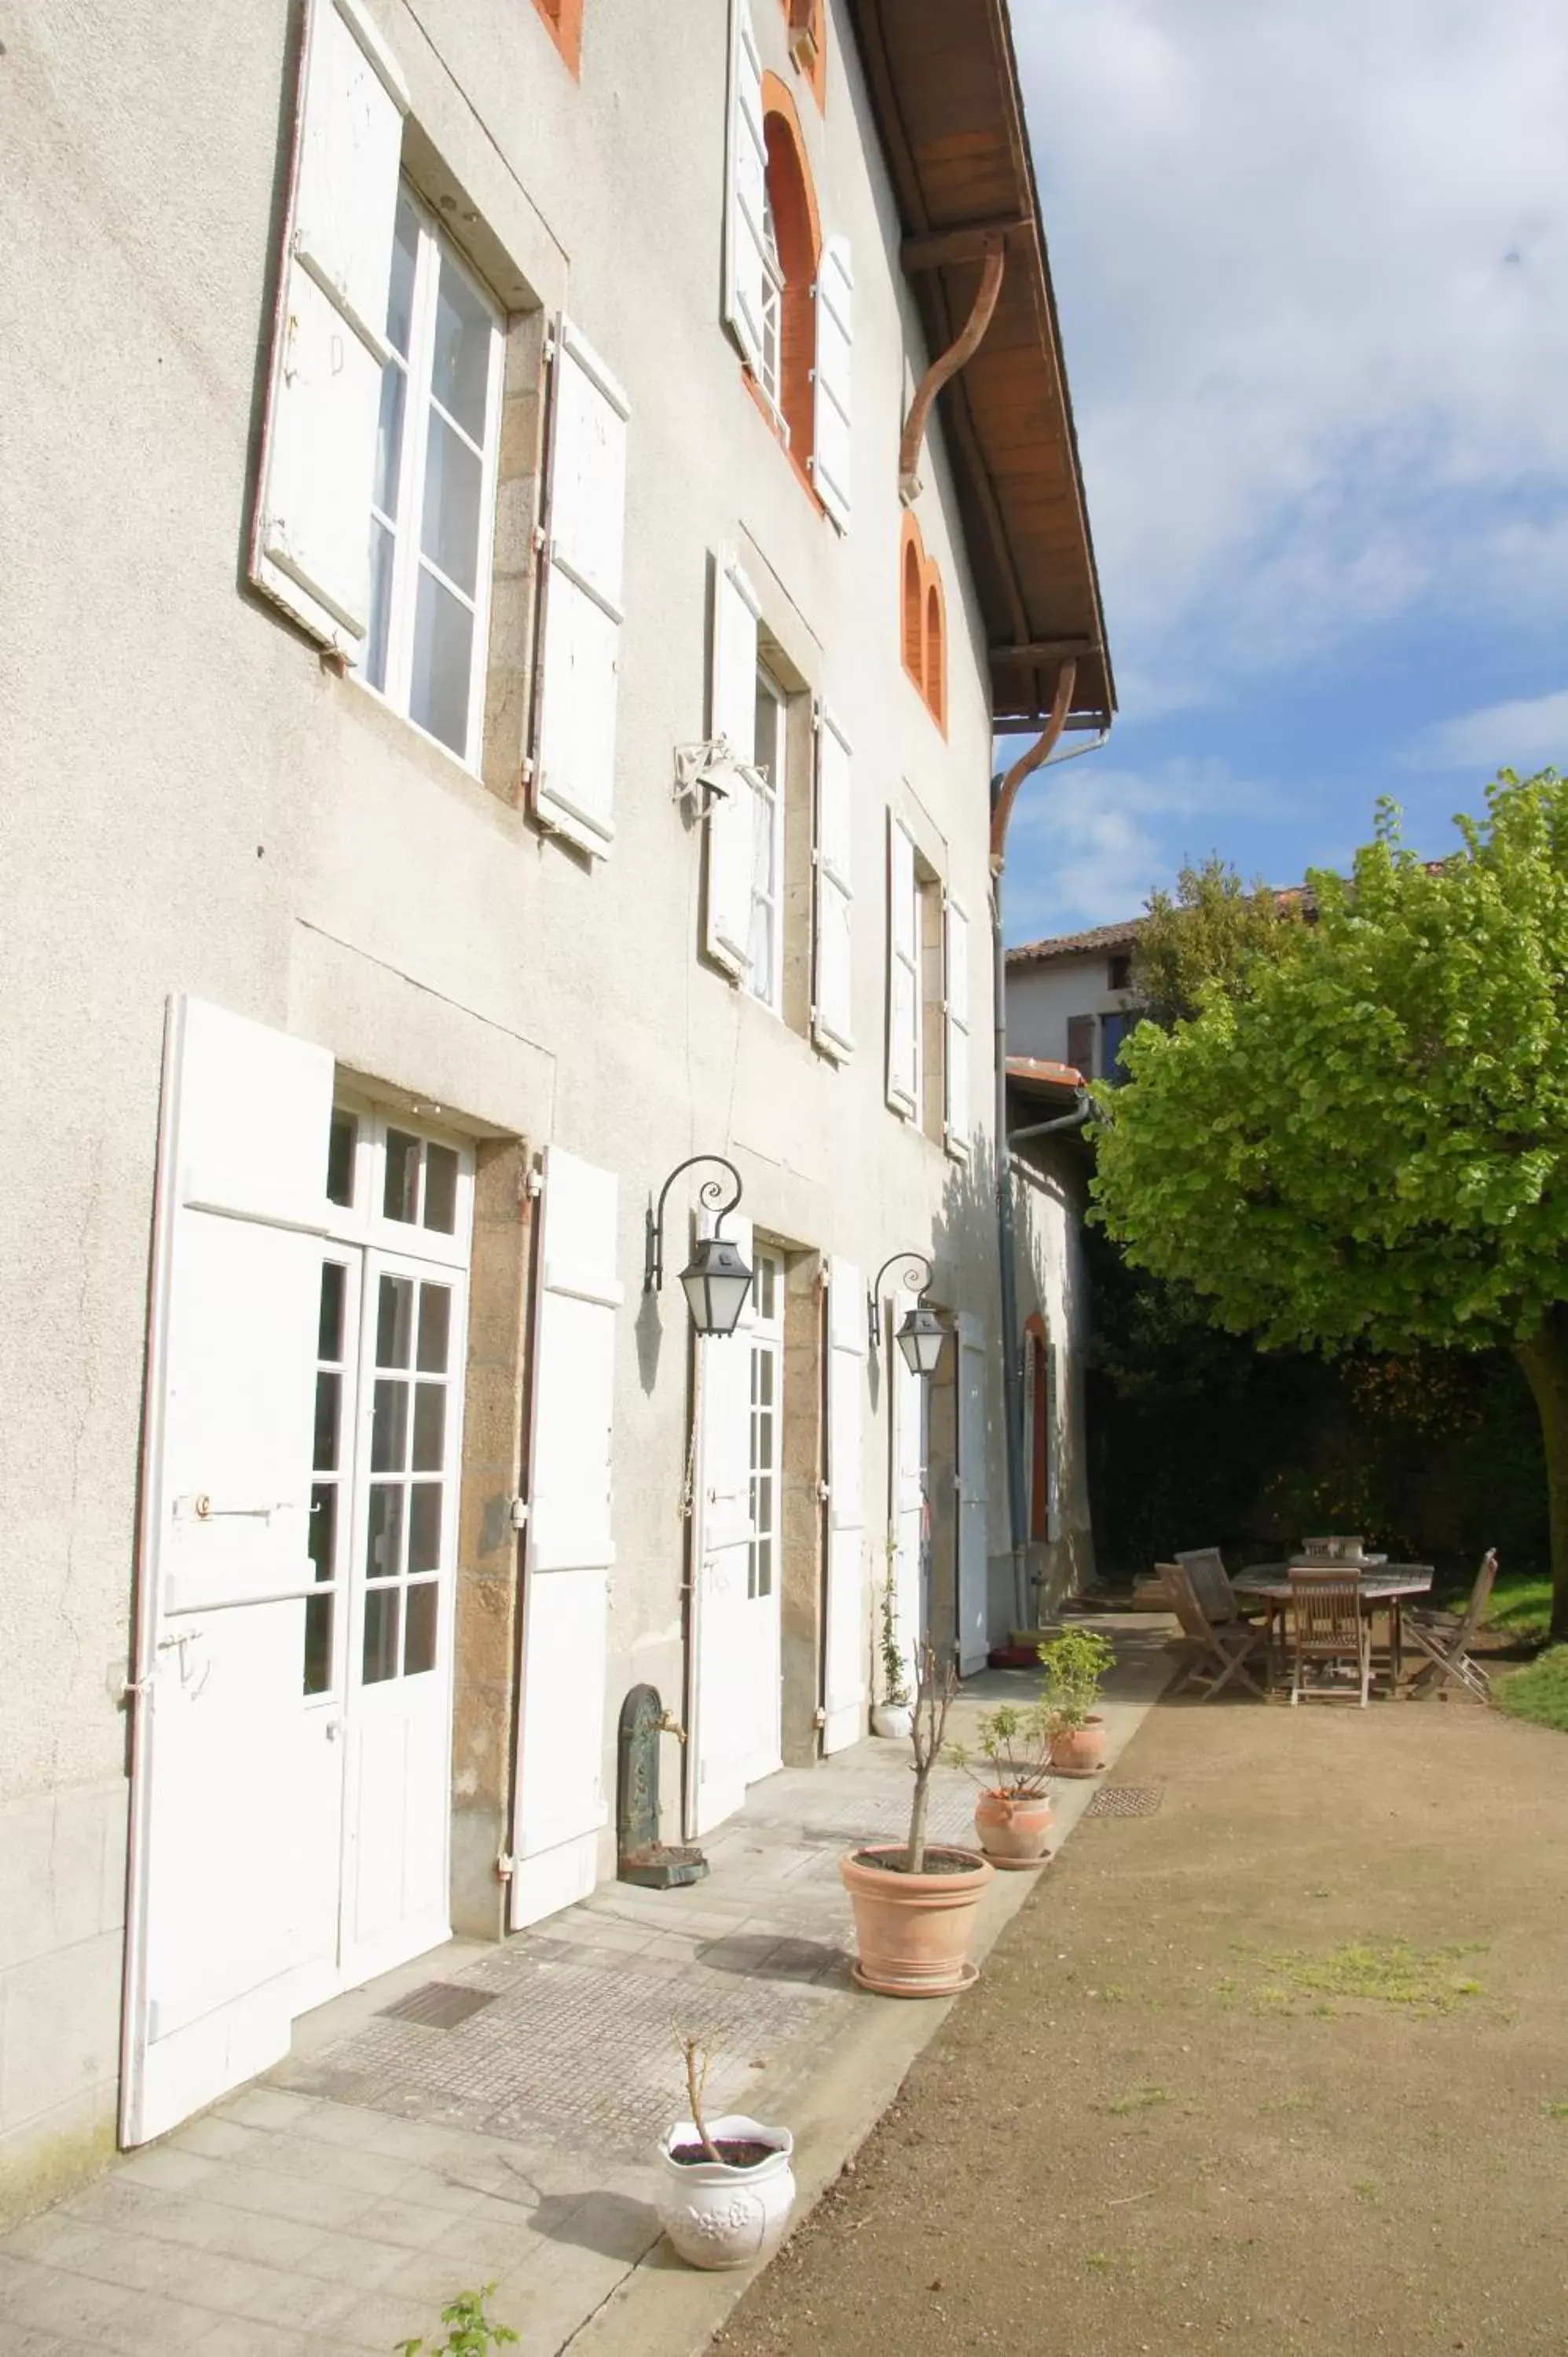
(1383, 1587)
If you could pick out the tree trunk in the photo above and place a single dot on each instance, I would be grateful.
(916, 1858)
(1544, 1358)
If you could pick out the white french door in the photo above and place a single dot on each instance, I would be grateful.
(762, 1667)
(376, 1668)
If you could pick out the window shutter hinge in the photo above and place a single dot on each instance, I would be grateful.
(506, 1865)
(549, 348)
(824, 1492)
(517, 1513)
(538, 540)
(534, 1185)
(528, 769)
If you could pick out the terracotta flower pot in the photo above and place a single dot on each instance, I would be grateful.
(914, 1931)
(1012, 1826)
(1078, 1750)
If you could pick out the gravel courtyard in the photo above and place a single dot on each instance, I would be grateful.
(1282, 2066)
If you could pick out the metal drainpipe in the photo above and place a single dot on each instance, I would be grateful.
(1005, 795)
(1073, 1120)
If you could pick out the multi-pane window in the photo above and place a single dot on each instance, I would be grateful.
(764, 971)
(389, 1358)
(767, 1400)
(770, 356)
(434, 489)
(409, 1472)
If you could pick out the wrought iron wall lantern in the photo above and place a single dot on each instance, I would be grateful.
(716, 1280)
(922, 1334)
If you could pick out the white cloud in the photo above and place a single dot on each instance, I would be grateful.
(1531, 733)
(1313, 265)
(1090, 841)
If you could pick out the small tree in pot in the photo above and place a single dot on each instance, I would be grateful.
(1012, 1815)
(726, 2187)
(892, 1716)
(1075, 1665)
(914, 1905)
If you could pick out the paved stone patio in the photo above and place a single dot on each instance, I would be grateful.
(391, 2162)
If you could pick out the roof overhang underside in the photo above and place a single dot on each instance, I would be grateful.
(944, 87)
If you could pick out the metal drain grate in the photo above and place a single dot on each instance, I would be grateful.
(1126, 1801)
(439, 2004)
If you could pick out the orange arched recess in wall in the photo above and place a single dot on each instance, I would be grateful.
(923, 621)
(564, 20)
(1037, 1341)
(797, 233)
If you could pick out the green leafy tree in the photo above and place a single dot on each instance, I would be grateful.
(1366, 1143)
(1204, 937)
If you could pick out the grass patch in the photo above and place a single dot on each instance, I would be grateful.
(1389, 1971)
(1521, 1603)
(1141, 2099)
(1539, 1694)
(1555, 2111)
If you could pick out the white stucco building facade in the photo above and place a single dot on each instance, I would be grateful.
(466, 754)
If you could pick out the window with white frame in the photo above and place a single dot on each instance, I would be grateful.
(904, 992)
(766, 1404)
(433, 493)
(764, 974)
(770, 357)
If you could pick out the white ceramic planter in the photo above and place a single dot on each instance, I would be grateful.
(722, 2217)
(892, 1718)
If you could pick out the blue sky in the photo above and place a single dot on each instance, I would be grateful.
(1312, 264)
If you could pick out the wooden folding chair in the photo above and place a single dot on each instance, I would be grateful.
(1205, 1567)
(1222, 1651)
(1328, 1626)
(1446, 1637)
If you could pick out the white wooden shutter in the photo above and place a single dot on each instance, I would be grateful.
(833, 429)
(722, 1740)
(744, 237)
(561, 1803)
(217, 1918)
(311, 532)
(957, 1002)
(832, 996)
(846, 1636)
(579, 663)
(906, 1483)
(731, 815)
(1053, 1441)
(1030, 1348)
(973, 1581)
(903, 974)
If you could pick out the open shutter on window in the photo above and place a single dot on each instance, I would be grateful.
(903, 974)
(906, 1478)
(956, 948)
(831, 459)
(219, 1789)
(844, 1642)
(724, 1739)
(559, 1799)
(1081, 1044)
(972, 1572)
(744, 237)
(310, 535)
(731, 815)
(574, 728)
(1053, 1441)
(831, 1021)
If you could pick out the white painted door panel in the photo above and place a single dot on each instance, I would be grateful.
(560, 1805)
(218, 1913)
(973, 1637)
(724, 1735)
(906, 1515)
(833, 1014)
(845, 1638)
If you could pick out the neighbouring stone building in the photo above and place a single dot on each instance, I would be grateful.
(489, 714)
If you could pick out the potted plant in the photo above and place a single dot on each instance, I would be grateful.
(1074, 1664)
(726, 2187)
(1013, 1815)
(914, 1905)
(893, 1715)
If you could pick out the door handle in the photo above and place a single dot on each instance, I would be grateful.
(332, 1728)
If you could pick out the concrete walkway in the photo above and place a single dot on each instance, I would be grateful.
(490, 2114)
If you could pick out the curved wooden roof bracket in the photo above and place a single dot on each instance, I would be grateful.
(1041, 751)
(968, 342)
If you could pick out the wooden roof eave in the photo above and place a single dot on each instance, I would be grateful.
(1022, 505)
